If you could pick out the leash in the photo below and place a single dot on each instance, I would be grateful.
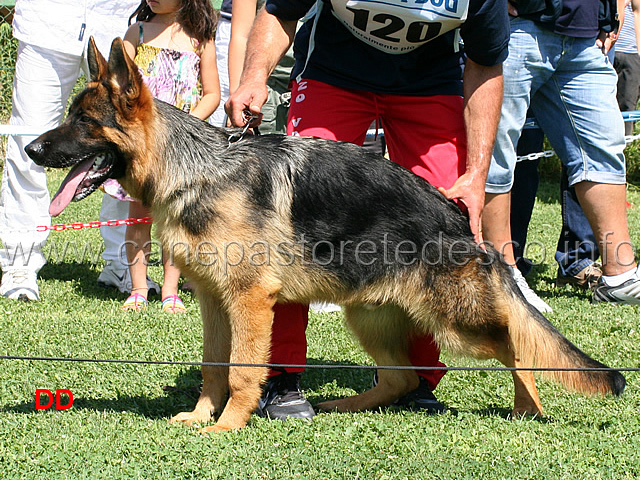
(249, 117)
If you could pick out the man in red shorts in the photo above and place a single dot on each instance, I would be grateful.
(431, 70)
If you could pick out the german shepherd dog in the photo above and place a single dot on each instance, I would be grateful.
(272, 218)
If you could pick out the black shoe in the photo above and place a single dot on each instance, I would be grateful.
(627, 293)
(282, 399)
(422, 398)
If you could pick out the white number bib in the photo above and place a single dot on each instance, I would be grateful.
(399, 26)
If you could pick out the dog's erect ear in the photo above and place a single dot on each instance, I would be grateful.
(123, 73)
(97, 63)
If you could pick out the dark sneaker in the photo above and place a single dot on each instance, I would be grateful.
(110, 277)
(628, 293)
(282, 399)
(422, 398)
(586, 278)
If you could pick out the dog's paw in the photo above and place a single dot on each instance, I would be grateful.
(336, 406)
(217, 428)
(192, 418)
(531, 412)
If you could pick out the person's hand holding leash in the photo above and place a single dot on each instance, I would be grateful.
(260, 61)
(248, 97)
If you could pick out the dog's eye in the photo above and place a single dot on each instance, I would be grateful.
(85, 119)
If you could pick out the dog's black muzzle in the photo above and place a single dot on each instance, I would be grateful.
(36, 151)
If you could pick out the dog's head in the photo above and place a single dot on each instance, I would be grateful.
(98, 137)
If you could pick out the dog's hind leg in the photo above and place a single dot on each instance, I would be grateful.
(526, 399)
(217, 342)
(251, 319)
(384, 333)
(512, 312)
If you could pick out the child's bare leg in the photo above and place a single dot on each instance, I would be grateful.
(171, 302)
(171, 276)
(138, 246)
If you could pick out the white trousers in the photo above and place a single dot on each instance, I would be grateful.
(223, 37)
(42, 84)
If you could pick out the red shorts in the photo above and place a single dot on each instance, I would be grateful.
(423, 134)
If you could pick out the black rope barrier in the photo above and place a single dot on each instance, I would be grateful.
(318, 366)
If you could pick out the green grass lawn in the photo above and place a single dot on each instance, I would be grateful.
(118, 425)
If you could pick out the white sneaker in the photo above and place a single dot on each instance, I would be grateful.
(325, 307)
(20, 284)
(531, 296)
(111, 277)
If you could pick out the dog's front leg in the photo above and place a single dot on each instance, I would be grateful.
(251, 318)
(216, 349)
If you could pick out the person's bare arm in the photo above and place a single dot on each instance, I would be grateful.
(635, 7)
(606, 40)
(269, 40)
(210, 82)
(242, 17)
(482, 102)
(130, 40)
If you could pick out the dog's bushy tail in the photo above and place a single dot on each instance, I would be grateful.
(539, 344)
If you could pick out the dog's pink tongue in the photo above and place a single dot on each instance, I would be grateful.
(68, 187)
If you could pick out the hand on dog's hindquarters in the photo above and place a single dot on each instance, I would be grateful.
(470, 193)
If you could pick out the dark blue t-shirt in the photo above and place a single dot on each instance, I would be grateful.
(579, 18)
(573, 18)
(383, 47)
(225, 8)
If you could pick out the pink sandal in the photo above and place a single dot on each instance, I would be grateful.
(135, 302)
(173, 304)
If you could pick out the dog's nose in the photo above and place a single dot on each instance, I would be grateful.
(35, 150)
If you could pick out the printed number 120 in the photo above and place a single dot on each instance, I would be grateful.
(417, 32)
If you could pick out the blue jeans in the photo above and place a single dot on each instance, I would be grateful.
(571, 89)
(523, 194)
(577, 247)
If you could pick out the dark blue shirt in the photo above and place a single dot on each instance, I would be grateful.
(225, 8)
(578, 18)
(573, 18)
(349, 55)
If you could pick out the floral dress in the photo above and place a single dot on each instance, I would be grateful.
(173, 77)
